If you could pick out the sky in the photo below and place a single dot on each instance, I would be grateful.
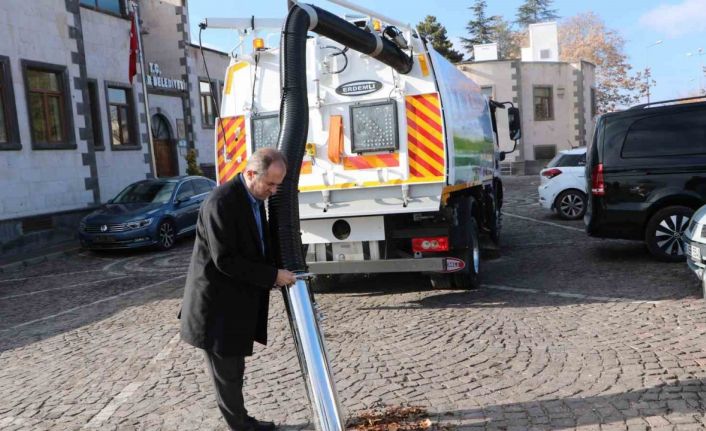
(680, 25)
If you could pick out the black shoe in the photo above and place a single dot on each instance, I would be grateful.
(256, 425)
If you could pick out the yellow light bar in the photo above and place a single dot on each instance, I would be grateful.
(423, 64)
(377, 25)
(258, 44)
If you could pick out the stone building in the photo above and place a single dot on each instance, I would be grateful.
(556, 99)
(73, 128)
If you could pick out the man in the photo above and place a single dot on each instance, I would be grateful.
(226, 297)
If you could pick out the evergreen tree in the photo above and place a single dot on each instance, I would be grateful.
(533, 11)
(480, 28)
(435, 33)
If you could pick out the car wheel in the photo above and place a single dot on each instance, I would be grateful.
(571, 204)
(664, 234)
(495, 222)
(166, 235)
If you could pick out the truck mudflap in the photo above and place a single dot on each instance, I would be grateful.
(442, 264)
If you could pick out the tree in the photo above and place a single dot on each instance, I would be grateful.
(585, 37)
(533, 11)
(509, 41)
(435, 33)
(480, 29)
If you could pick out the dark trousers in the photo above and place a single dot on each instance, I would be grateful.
(227, 374)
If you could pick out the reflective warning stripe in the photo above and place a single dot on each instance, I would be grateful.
(233, 159)
(307, 168)
(231, 71)
(371, 161)
(425, 140)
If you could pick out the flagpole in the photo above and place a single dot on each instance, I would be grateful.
(153, 166)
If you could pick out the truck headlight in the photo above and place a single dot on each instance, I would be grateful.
(374, 127)
(265, 131)
(137, 224)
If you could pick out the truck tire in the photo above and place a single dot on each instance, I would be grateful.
(664, 234)
(468, 278)
(495, 219)
(442, 281)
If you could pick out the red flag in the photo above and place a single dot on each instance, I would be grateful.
(133, 48)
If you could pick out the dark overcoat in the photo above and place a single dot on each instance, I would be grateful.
(226, 297)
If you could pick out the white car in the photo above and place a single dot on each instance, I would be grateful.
(695, 244)
(563, 184)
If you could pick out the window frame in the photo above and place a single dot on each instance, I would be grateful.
(178, 190)
(213, 85)
(69, 142)
(550, 115)
(123, 10)
(491, 88)
(7, 94)
(96, 120)
(132, 123)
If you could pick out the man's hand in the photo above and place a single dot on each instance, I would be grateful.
(285, 278)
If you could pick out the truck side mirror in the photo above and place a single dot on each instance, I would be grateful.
(513, 119)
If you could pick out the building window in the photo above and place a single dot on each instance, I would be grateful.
(49, 106)
(487, 90)
(543, 104)
(9, 131)
(594, 103)
(121, 114)
(110, 6)
(208, 106)
(94, 103)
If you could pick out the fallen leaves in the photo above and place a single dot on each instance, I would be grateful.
(393, 418)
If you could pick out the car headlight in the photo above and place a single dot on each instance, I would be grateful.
(137, 224)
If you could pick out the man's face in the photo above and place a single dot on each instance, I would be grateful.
(265, 185)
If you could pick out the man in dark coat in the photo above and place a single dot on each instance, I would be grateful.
(226, 298)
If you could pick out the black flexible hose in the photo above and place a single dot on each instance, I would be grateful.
(294, 126)
(294, 115)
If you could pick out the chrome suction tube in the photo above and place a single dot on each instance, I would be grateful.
(313, 358)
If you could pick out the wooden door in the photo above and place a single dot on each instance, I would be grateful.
(164, 156)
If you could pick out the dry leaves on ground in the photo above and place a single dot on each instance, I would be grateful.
(393, 418)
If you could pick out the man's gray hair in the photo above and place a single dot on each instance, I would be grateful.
(261, 160)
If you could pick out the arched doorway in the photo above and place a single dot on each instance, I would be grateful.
(164, 149)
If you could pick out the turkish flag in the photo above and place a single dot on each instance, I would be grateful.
(133, 48)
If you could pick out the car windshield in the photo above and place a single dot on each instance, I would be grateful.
(146, 192)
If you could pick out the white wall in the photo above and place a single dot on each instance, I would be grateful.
(560, 130)
(106, 42)
(40, 181)
(217, 65)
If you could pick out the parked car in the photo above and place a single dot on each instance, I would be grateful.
(563, 184)
(646, 169)
(151, 212)
(695, 244)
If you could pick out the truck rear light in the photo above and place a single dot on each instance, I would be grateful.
(597, 181)
(551, 173)
(430, 244)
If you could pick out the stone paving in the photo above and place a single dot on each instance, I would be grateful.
(567, 332)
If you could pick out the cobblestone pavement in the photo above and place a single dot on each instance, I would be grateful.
(567, 332)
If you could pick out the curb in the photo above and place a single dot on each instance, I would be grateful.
(23, 263)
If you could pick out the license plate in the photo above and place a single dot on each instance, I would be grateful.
(104, 238)
(695, 253)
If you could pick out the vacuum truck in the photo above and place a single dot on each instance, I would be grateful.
(400, 171)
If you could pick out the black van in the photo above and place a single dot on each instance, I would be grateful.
(646, 172)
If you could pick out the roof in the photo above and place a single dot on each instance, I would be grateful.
(579, 150)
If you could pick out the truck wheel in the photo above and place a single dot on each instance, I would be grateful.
(468, 278)
(495, 222)
(442, 281)
(664, 234)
